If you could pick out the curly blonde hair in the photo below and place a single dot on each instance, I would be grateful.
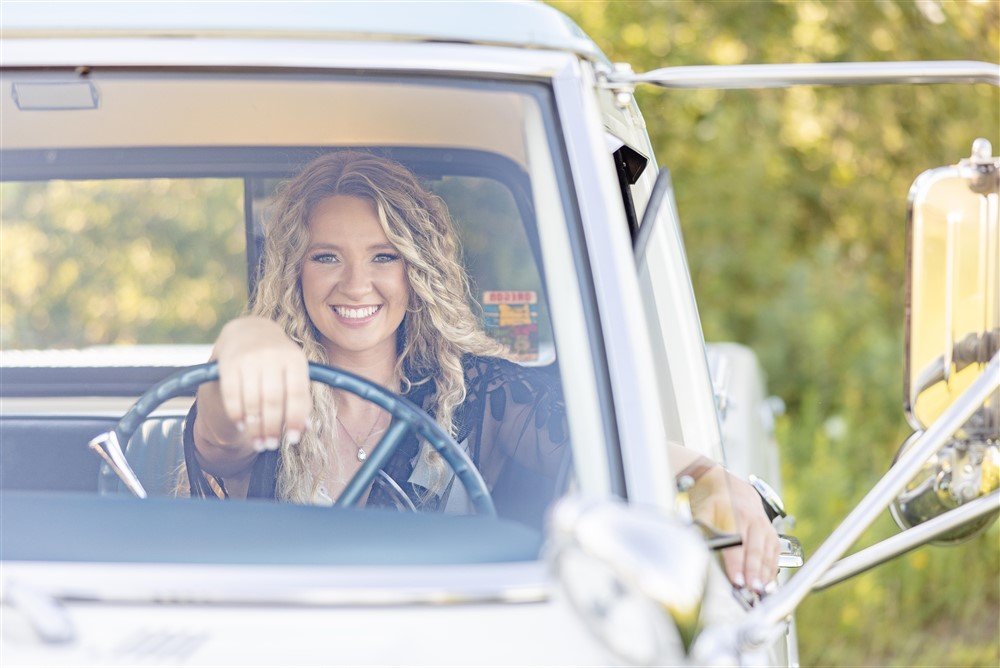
(439, 326)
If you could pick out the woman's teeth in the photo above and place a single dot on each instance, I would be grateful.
(356, 313)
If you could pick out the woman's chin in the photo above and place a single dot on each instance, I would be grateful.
(356, 345)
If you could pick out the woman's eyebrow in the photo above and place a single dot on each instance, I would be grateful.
(373, 247)
(318, 246)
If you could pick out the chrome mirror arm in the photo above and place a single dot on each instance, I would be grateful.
(754, 630)
(903, 542)
(735, 77)
(110, 450)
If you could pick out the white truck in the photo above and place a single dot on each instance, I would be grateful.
(141, 146)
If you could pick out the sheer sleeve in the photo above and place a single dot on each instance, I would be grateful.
(201, 483)
(518, 435)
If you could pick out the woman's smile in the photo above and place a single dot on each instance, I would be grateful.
(356, 316)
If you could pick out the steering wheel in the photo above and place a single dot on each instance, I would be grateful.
(406, 418)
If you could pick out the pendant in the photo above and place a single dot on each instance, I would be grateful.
(362, 455)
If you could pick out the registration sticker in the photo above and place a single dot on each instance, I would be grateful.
(512, 319)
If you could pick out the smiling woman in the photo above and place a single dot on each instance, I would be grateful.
(353, 280)
(361, 270)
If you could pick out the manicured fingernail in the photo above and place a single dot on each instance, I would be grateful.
(271, 443)
(739, 581)
(757, 585)
(258, 445)
(241, 426)
(293, 436)
(771, 587)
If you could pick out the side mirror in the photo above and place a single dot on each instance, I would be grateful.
(636, 577)
(952, 283)
(952, 332)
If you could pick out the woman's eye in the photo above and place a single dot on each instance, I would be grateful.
(324, 258)
(386, 257)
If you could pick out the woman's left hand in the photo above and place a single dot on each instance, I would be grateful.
(728, 503)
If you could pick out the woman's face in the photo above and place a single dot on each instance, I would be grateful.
(353, 280)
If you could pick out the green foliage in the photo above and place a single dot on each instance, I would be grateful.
(793, 206)
(127, 261)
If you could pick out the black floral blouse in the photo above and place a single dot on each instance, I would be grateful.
(512, 424)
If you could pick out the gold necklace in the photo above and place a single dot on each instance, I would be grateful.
(361, 454)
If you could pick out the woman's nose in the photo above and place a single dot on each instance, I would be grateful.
(355, 282)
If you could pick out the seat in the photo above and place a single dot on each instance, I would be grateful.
(49, 453)
(156, 454)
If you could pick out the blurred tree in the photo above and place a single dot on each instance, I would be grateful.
(793, 206)
(123, 261)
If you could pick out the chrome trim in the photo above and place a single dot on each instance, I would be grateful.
(96, 408)
(306, 586)
(756, 628)
(734, 77)
(791, 554)
(106, 445)
(768, 495)
(905, 541)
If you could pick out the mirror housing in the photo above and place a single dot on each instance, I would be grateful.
(952, 291)
(952, 332)
(636, 577)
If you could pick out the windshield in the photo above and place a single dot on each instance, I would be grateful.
(138, 213)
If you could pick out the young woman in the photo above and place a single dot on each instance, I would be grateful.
(362, 272)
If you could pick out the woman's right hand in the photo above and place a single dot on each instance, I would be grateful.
(262, 393)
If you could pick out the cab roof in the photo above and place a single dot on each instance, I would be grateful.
(517, 23)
